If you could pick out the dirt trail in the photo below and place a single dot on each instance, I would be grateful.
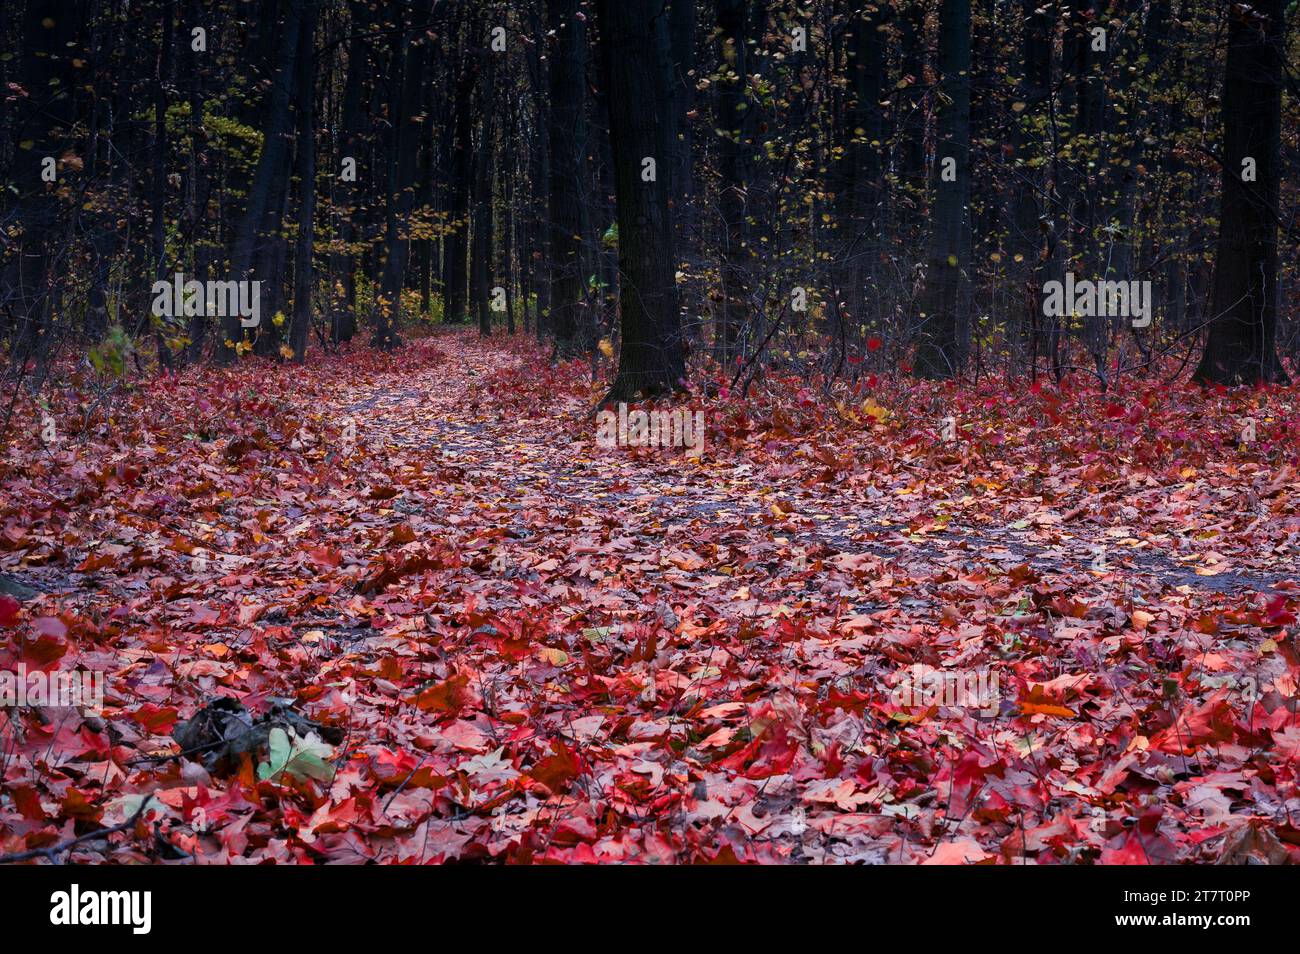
(554, 464)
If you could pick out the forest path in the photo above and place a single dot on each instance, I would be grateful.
(551, 462)
(535, 648)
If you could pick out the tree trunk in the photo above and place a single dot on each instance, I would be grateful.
(1241, 346)
(272, 165)
(303, 275)
(343, 311)
(403, 144)
(1031, 239)
(861, 134)
(911, 110)
(198, 184)
(733, 126)
(456, 266)
(681, 31)
(509, 176)
(481, 271)
(568, 138)
(538, 264)
(638, 80)
(946, 322)
(30, 280)
(158, 198)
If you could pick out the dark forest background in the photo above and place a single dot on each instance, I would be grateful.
(794, 211)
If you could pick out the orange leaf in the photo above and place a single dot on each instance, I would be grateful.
(449, 696)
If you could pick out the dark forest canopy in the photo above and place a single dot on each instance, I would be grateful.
(837, 187)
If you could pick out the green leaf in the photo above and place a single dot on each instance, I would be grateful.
(303, 758)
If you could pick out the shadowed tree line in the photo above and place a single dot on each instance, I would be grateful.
(832, 186)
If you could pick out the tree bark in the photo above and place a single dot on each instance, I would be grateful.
(681, 31)
(1241, 346)
(481, 271)
(158, 198)
(944, 302)
(303, 274)
(403, 144)
(538, 265)
(343, 311)
(31, 280)
(272, 165)
(733, 126)
(638, 80)
(456, 265)
(568, 139)
(861, 135)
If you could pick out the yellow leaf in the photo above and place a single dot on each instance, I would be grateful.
(869, 406)
(556, 657)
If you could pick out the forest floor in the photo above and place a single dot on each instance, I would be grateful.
(444, 624)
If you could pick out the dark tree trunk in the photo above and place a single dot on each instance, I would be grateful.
(509, 176)
(403, 144)
(1035, 86)
(271, 261)
(911, 110)
(1079, 64)
(859, 182)
(272, 166)
(303, 275)
(568, 139)
(605, 295)
(1084, 182)
(946, 322)
(343, 311)
(1241, 347)
(734, 129)
(158, 198)
(539, 175)
(1132, 128)
(104, 241)
(1032, 239)
(31, 280)
(198, 179)
(431, 151)
(481, 269)
(638, 80)
(456, 266)
(681, 30)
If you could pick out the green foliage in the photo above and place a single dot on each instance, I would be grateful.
(293, 755)
(110, 356)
